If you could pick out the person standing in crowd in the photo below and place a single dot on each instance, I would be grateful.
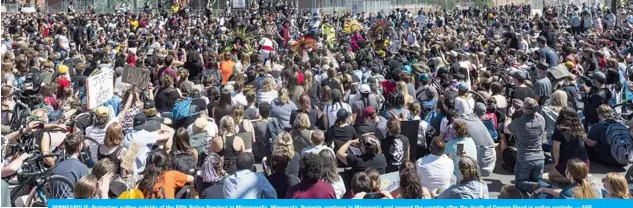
(395, 147)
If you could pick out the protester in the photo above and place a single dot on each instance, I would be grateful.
(159, 181)
(245, 184)
(580, 188)
(436, 169)
(569, 143)
(470, 185)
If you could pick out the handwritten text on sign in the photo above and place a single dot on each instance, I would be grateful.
(136, 76)
(100, 88)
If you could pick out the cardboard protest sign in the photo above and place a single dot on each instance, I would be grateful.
(136, 76)
(390, 182)
(100, 88)
(130, 156)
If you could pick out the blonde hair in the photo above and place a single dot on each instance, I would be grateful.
(284, 143)
(308, 78)
(578, 172)
(402, 88)
(284, 96)
(268, 85)
(616, 185)
(238, 113)
(605, 111)
(86, 187)
(468, 167)
(227, 125)
(302, 121)
(559, 98)
(461, 129)
(114, 135)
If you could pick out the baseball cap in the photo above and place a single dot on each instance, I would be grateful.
(341, 115)
(364, 88)
(462, 86)
(599, 76)
(520, 75)
(102, 111)
(139, 121)
(368, 112)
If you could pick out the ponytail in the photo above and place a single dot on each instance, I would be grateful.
(585, 190)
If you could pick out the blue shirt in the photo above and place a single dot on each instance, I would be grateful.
(71, 169)
(146, 140)
(451, 149)
(115, 102)
(246, 184)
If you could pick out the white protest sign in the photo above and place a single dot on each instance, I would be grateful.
(239, 4)
(100, 88)
(390, 182)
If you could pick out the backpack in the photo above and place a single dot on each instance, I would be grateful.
(199, 142)
(31, 84)
(273, 129)
(620, 142)
(184, 162)
(489, 122)
(182, 109)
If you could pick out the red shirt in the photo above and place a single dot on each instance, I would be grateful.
(62, 83)
(311, 190)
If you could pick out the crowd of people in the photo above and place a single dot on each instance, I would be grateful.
(326, 103)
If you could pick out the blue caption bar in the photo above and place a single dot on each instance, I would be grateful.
(367, 203)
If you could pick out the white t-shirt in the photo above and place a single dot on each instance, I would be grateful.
(63, 42)
(332, 109)
(98, 134)
(435, 171)
(240, 99)
(464, 106)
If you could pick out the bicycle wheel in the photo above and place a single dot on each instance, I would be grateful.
(87, 153)
(53, 187)
(623, 110)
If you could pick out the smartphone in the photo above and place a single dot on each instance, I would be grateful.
(374, 195)
(40, 126)
(460, 148)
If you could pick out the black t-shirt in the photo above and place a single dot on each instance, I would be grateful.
(396, 150)
(364, 127)
(253, 85)
(602, 151)
(523, 92)
(313, 116)
(340, 134)
(165, 99)
(332, 83)
(570, 149)
(367, 161)
(281, 182)
(315, 98)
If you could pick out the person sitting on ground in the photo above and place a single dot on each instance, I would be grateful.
(599, 145)
(510, 191)
(362, 187)
(470, 186)
(569, 143)
(159, 181)
(246, 184)
(616, 186)
(436, 169)
(210, 182)
(410, 186)
(70, 168)
(89, 187)
(580, 188)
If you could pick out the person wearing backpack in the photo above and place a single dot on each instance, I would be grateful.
(609, 141)
(184, 157)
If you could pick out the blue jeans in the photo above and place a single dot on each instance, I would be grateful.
(527, 174)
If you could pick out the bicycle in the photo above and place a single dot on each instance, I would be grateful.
(38, 182)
